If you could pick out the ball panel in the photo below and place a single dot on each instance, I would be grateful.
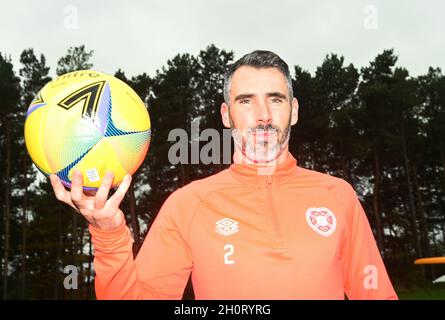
(102, 117)
(33, 139)
(130, 149)
(68, 136)
(72, 80)
(123, 96)
(65, 174)
(96, 162)
(33, 108)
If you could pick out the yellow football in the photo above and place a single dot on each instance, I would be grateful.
(89, 121)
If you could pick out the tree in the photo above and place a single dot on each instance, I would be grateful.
(34, 73)
(336, 86)
(77, 58)
(373, 92)
(430, 149)
(310, 128)
(10, 98)
(212, 64)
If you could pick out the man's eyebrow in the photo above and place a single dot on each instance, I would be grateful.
(276, 94)
(244, 96)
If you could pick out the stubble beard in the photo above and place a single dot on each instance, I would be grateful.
(263, 151)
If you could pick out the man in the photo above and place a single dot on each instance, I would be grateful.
(263, 229)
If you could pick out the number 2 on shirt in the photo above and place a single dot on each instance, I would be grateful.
(229, 249)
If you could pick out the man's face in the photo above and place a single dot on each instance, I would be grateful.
(260, 113)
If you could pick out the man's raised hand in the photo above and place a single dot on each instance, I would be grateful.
(101, 213)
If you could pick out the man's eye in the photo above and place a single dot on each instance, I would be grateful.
(276, 100)
(244, 101)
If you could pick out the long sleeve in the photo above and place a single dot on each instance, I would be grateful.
(160, 270)
(365, 275)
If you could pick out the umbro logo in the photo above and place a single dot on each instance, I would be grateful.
(227, 226)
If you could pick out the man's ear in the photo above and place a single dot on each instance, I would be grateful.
(294, 114)
(225, 115)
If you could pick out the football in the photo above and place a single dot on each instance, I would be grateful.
(89, 121)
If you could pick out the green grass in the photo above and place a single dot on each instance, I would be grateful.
(430, 292)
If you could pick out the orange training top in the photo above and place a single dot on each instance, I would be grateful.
(291, 234)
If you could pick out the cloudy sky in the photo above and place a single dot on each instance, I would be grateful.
(139, 36)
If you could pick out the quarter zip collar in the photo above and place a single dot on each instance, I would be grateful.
(255, 174)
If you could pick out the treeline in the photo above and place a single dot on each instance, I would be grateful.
(377, 127)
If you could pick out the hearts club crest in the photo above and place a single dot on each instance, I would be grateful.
(321, 220)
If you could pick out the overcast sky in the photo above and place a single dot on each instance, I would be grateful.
(139, 36)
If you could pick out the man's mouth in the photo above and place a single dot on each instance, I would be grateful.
(263, 135)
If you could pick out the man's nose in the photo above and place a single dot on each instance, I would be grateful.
(264, 115)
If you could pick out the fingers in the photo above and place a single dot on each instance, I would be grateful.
(102, 194)
(75, 197)
(60, 192)
(59, 189)
(76, 187)
(117, 197)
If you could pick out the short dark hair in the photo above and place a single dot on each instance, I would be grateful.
(258, 59)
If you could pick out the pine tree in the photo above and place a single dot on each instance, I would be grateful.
(34, 73)
(9, 105)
